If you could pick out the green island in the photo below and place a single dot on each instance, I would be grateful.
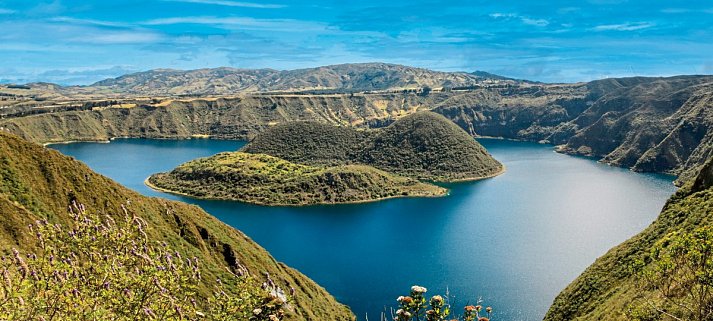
(305, 163)
(268, 180)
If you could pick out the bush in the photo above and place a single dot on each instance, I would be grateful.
(678, 278)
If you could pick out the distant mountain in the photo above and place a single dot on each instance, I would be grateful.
(345, 77)
(651, 124)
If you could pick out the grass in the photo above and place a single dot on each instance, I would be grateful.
(267, 180)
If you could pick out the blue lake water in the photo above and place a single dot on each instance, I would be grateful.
(513, 241)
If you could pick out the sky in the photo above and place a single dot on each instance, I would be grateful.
(80, 42)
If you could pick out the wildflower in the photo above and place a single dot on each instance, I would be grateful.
(406, 300)
(257, 311)
(149, 312)
(418, 289)
(483, 319)
(478, 308)
(489, 309)
(469, 308)
(437, 301)
(273, 317)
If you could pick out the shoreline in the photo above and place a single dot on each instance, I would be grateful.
(502, 170)
(163, 190)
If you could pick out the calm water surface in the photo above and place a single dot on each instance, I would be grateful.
(515, 240)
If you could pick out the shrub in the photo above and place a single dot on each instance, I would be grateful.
(678, 278)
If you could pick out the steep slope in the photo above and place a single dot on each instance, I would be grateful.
(608, 287)
(38, 183)
(267, 180)
(423, 145)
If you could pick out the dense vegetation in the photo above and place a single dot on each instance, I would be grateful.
(268, 180)
(612, 289)
(99, 268)
(37, 184)
(423, 145)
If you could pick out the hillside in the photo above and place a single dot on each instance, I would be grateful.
(423, 145)
(38, 183)
(608, 288)
(267, 180)
(647, 124)
(230, 81)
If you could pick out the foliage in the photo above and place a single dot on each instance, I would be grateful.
(681, 277)
(104, 269)
(415, 307)
(263, 179)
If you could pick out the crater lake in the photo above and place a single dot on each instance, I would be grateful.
(513, 241)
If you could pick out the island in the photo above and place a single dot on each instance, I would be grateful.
(307, 163)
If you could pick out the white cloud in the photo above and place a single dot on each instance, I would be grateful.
(242, 22)
(523, 19)
(101, 23)
(6, 11)
(124, 37)
(629, 26)
(229, 3)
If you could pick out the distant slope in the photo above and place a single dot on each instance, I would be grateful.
(423, 145)
(606, 289)
(267, 180)
(365, 76)
(38, 183)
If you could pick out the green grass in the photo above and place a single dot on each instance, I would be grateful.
(268, 180)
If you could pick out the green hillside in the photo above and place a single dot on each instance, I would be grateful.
(610, 288)
(38, 183)
(423, 145)
(267, 180)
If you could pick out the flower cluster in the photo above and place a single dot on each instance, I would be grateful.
(473, 313)
(99, 268)
(414, 308)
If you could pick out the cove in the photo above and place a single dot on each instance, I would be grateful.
(513, 241)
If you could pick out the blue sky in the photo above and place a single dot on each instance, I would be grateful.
(79, 42)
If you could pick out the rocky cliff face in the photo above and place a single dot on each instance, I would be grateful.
(647, 124)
